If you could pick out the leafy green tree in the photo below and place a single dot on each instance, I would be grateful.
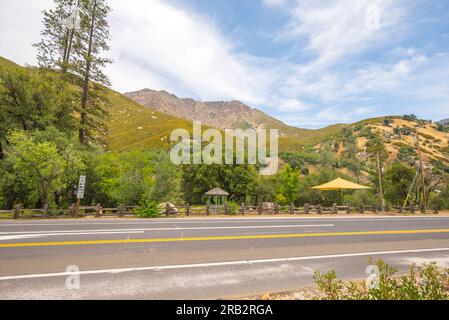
(125, 178)
(49, 168)
(237, 180)
(398, 179)
(167, 179)
(289, 188)
(34, 100)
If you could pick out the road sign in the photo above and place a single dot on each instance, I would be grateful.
(81, 188)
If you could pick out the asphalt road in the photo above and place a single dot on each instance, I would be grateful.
(204, 258)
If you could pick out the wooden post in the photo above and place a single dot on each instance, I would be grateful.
(208, 210)
(260, 209)
(335, 209)
(242, 209)
(98, 210)
(319, 209)
(292, 208)
(375, 209)
(73, 210)
(306, 208)
(188, 210)
(348, 209)
(121, 211)
(362, 208)
(77, 208)
(16, 211)
(45, 210)
(226, 209)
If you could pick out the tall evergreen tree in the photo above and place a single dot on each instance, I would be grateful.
(89, 46)
(60, 27)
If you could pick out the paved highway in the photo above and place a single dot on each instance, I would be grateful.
(204, 258)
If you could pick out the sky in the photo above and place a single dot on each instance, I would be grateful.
(309, 63)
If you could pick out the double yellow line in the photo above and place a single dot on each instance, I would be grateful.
(221, 238)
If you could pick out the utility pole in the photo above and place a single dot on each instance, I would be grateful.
(421, 168)
(381, 190)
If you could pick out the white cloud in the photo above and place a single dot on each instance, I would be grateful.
(274, 3)
(338, 28)
(20, 25)
(293, 105)
(169, 48)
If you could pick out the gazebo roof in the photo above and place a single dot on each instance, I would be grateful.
(217, 192)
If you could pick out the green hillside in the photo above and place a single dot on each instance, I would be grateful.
(133, 126)
(7, 63)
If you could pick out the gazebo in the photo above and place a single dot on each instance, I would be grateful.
(217, 198)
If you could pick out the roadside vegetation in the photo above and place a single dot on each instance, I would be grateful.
(426, 282)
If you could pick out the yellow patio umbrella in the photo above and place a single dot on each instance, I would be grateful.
(340, 184)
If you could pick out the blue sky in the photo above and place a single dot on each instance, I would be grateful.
(310, 63)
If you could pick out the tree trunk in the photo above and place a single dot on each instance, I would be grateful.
(85, 97)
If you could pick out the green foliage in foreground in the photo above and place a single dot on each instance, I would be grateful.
(425, 282)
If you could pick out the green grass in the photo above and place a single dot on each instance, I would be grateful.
(7, 63)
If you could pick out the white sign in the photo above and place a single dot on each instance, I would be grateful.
(81, 187)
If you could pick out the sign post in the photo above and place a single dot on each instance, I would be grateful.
(80, 193)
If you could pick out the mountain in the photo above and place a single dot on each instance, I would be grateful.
(231, 115)
(218, 114)
(444, 122)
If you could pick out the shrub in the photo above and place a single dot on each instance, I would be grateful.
(233, 208)
(426, 282)
(148, 209)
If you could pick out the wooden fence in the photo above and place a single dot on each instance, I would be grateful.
(128, 211)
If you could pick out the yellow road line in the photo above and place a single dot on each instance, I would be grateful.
(254, 237)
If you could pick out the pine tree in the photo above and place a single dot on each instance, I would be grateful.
(89, 45)
(60, 27)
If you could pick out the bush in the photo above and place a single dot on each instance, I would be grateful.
(233, 208)
(426, 282)
(148, 209)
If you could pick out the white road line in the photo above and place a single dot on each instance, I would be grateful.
(175, 229)
(227, 220)
(40, 234)
(219, 264)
